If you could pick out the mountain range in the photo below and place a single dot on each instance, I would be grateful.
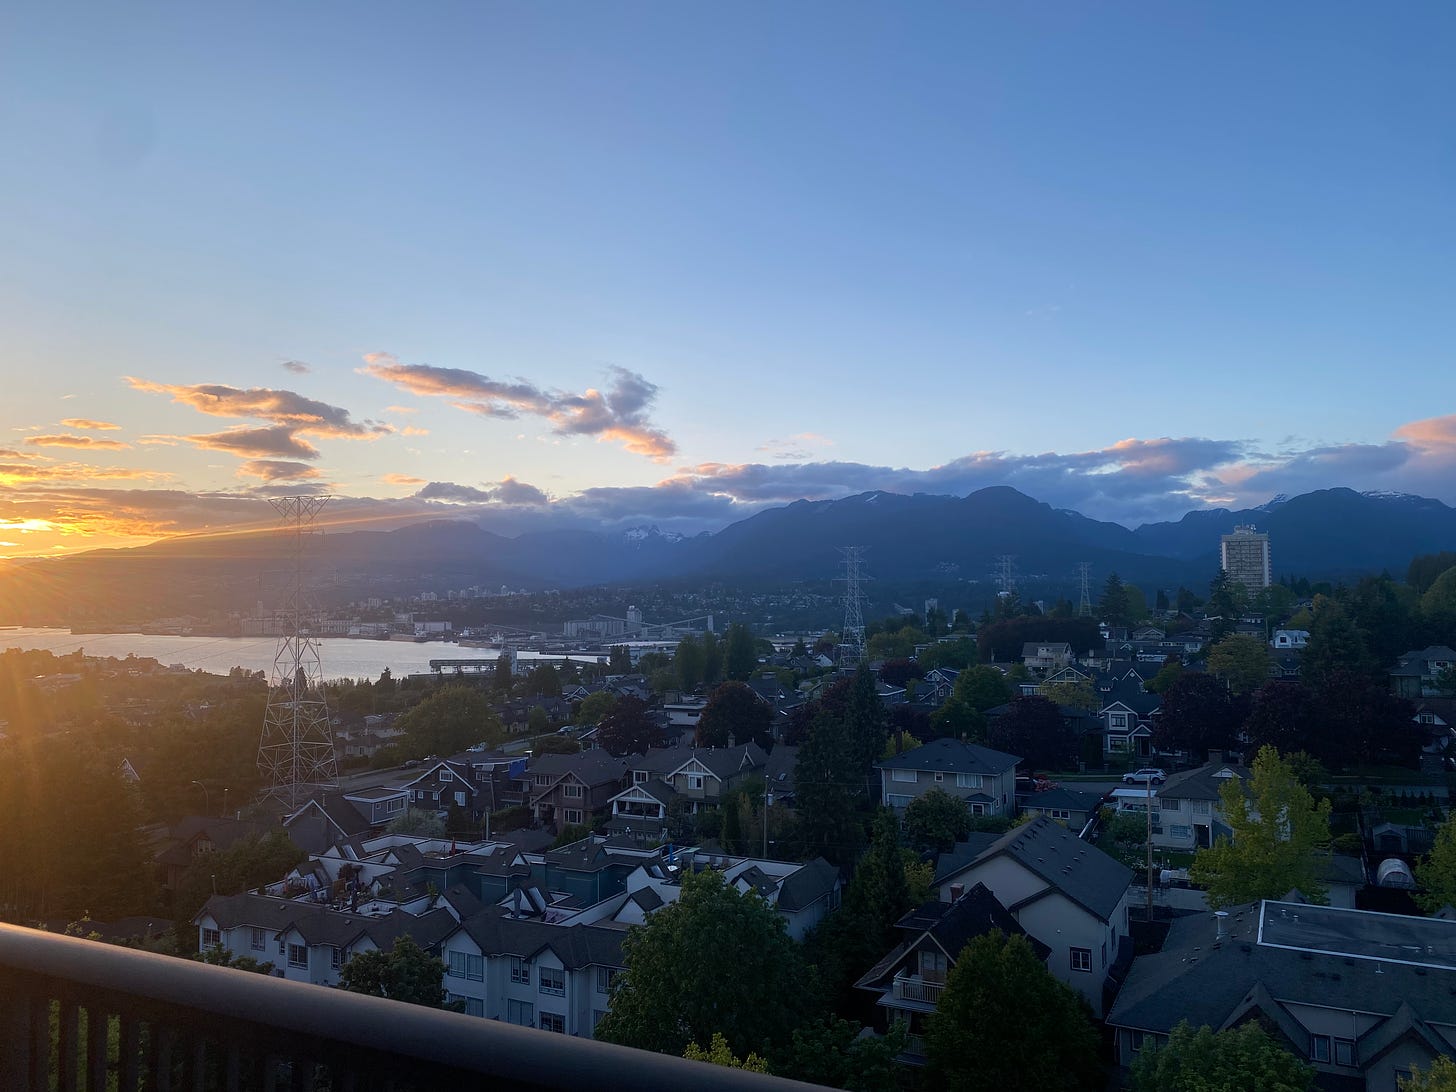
(919, 539)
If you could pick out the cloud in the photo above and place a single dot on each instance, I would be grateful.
(279, 440)
(70, 440)
(618, 415)
(88, 423)
(508, 491)
(15, 473)
(453, 493)
(511, 491)
(401, 479)
(304, 415)
(797, 447)
(401, 409)
(1434, 433)
(297, 367)
(272, 470)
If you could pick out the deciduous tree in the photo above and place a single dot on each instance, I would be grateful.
(1279, 836)
(1236, 1060)
(404, 973)
(1241, 661)
(1004, 1022)
(1033, 729)
(448, 721)
(1436, 872)
(714, 961)
(1197, 714)
(1441, 1077)
(734, 712)
(936, 820)
(627, 728)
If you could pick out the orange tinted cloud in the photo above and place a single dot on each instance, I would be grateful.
(88, 423)
(275, 470)
(69, 440)
(1433, 432)
(401, 479)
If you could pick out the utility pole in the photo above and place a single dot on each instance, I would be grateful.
(1149, 782)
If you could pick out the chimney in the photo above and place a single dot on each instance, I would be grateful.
(1215, 757)
(956, 891)
(1220, 918)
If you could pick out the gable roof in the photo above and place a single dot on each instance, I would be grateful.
(1083, 873)
(594, 767)
(1202, 783)
(576, 946)
(951, 756)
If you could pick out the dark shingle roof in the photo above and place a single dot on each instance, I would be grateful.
(807, 885)
(1202, 783)
(1081, 872)
(951, 756)
(575, 945)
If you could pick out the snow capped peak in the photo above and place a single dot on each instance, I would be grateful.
(1390, 494)
(1272, 503)
(645, 532)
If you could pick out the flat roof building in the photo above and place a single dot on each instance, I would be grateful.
(1244, 556)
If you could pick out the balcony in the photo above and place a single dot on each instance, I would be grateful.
(78, 1014)
(917, 990)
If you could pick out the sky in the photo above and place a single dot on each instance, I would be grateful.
(612, 264)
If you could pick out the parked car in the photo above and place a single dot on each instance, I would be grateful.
(1146, 774)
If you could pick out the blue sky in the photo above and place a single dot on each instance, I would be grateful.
(1129, 258)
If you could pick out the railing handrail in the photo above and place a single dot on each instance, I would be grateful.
(517, 1054)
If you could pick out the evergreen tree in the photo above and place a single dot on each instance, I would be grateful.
(712, 659)
(1335, 646)
(739, 655)
(1112, 607)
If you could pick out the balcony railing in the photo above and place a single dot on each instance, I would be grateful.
(79, 1014)
(910, 989)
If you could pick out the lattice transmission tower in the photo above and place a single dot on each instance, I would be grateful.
(1006, 575)
(296, 753)
(852, 635)
(1084, 605)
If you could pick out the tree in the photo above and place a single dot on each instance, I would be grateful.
(734, 712)
(1436, 872)
(1167, 675)
(502, 679)
(595, 706)
(619, 660)
(218, 956)
(718, 1054)
(936, 820)
(712, 659)
(543, 681)
(1241, 661)
(899, 672)
(1279, 836)
(244, 865)
(1441, 1077)
(831, 1052)
(1335, 646)
(714, 961)
(627, 728)
(1113, 606)
(555, 745)
(1284, 715)
(1236, 1060)
(537, 720)
(425, 824)
(1004, 1022)
(1078, 694)
(1197, 715)
(405, 973)
(449, 720)
(739, 655)
(688, 662)
(1365, 723)
(1034, 730)
(976, 689)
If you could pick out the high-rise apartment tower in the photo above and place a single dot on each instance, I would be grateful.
(1244, 556)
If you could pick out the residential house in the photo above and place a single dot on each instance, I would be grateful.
(701, 775)
(1043, 656)
(552, 977)
(1414, 674)
(1073, 808)
(1284, 639)
(1365, 997)
(1187, 813)
(983, 778)
(570, 789)
(307, 942)
(1068, 894)
(909, 980)
(1126, 714)
(197, 836)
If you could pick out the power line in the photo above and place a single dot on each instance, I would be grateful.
(852, 636)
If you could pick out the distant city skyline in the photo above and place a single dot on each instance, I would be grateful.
(637, 263)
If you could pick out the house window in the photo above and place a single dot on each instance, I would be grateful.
(978, 809)
(475, 968)
(695, 780)
(968, 781)
(571, 791)
(397, 804)
(598, 1015)
(894, 801)
(298, 955)
(457, 965)
(904, 775)
(521, 1012)
(475, 1006)
(336, 957)
(1060, 813)
(571, 815)
(446, 775)
(1117, 720)
(1104, 953)
(1345, 1052)
(939, 776)
(543, 779)
(258, 939)
(605, 977)
(520, 972)
(1137, 1039)
(639, 777)
(553, 1021)
(933, 966)
(1319, 1048)
(1081, 959)
(459, 799)
(553, 980)
(211, 938)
